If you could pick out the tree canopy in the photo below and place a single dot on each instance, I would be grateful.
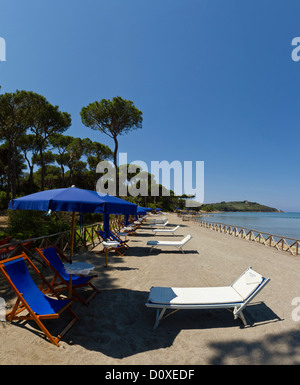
(113, 118)
(37, 154)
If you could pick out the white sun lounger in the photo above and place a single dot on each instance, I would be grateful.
(157, 217)
(236, 297)
(178, 244)
(166, 231)
(157, 220)
(162, 224)
(158, 224)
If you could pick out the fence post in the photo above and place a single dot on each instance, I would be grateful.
(227, 229)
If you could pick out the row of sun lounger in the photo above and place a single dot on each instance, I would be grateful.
(41, 306)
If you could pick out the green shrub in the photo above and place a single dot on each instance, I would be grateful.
(3, 200)
(24, 224)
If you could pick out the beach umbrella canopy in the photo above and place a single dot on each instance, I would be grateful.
(141, 210)
(74, 199)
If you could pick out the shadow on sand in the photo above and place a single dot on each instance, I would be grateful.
(118, 324)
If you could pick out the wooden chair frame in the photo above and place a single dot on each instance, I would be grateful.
(59, 283)
(21, 304)
(117, 249)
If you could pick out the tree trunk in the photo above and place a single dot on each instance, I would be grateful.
(63, 175)
(12, 171)
(43, 170)
(116, 165)
(31, 178)
(30, 166)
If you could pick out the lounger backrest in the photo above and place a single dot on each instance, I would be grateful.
(186, 239)
(113, 236)
(102, 234)
(19, 275)
(53, 258)
(248, 283)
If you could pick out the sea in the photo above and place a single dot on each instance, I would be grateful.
(280, 224)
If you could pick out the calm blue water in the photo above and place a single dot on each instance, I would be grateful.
(282, 224)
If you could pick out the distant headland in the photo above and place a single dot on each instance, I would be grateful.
(237, 206)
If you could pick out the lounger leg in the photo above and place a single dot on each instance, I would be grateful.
(239, 314)
(159, 316)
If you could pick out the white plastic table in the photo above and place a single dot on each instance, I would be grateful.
(107, 245)
(78, 268)
(124, 234)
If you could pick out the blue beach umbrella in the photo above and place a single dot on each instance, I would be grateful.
(74, 199)
(141, 210)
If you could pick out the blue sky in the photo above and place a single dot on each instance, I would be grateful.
(215, 81)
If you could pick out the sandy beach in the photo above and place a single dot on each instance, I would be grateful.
(117, 328)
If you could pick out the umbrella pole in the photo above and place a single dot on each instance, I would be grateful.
(72, 237)
(71, 252)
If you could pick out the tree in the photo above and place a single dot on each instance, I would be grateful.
(74, 154)
(14, 113)
(4, 156)
(95, 152)
(61, 143)
(27, 145)
(45, 120)
(112, 117)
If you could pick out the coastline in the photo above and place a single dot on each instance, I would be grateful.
(117, 329)
(280, 225)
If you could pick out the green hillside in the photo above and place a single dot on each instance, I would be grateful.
(237, 206)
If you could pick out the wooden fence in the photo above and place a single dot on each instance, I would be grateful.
(280, 243)
(85, 236)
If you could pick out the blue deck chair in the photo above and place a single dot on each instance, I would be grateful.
(114, 237)
(117, 248)
(29, 297)
(53, 257)
(128, 227)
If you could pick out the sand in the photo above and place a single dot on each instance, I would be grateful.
(117, 328)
